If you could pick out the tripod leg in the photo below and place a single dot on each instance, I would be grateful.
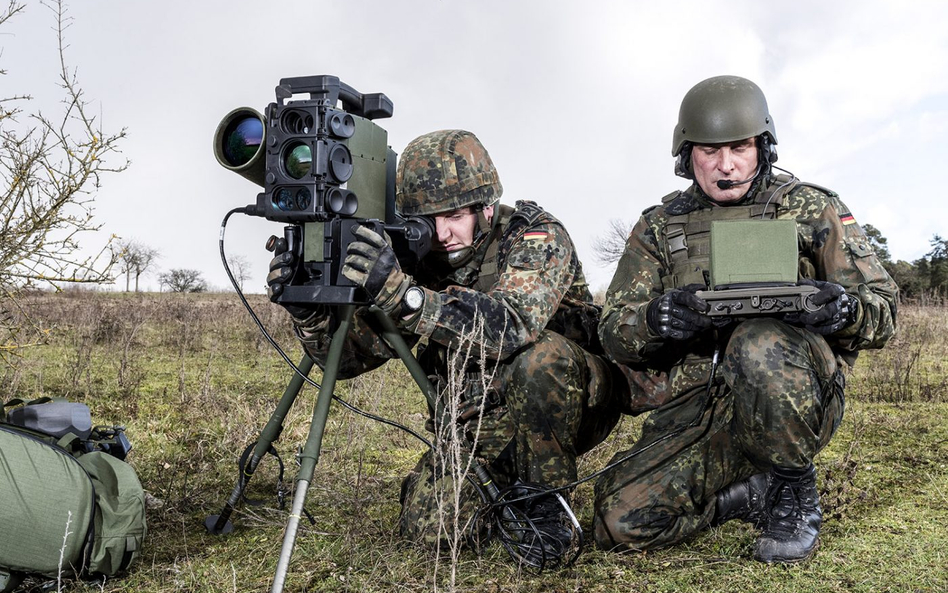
(395, 339)
(220, 524)
(310, 455)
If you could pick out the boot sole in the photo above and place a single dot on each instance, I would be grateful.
(790, 560)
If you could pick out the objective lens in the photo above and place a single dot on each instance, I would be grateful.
(242, 140)
(299, 160)
(283, 199)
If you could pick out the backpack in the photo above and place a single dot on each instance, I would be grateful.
(69, 504)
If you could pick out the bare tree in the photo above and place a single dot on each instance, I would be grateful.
(50, 167)
(240, 268)
(610, 245)
(183, 280)
(136, 260)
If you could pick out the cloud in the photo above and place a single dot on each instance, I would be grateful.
(575, 101)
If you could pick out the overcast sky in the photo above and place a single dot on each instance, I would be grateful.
(575, 101)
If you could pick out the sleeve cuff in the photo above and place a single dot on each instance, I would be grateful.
(426, 322)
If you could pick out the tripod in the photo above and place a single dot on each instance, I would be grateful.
(220, 523)
(520, 536)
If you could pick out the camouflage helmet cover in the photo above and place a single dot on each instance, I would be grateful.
(443, 171)
(722, 109)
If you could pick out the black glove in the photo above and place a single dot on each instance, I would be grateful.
(281, 271)
(678, 315)
(838, 309)
(371, 263)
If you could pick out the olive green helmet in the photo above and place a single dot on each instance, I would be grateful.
(443, 171)
(723, 109)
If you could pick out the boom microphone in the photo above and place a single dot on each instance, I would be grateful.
(728, 184)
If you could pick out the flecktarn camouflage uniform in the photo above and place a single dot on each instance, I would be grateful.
(777, 396)
(550, 399)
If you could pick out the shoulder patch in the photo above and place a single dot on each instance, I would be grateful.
(528, 211)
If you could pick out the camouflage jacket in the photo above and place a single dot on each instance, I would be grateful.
(525, 278)
(832, 247)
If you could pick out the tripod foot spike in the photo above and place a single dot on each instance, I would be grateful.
(214, 529)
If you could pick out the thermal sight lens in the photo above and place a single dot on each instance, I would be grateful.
(283, 199)
(242, 140)
(299, 161)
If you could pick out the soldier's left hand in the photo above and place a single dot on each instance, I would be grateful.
(371, 263)
(838, 309)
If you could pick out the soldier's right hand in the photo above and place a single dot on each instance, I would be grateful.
(678, 315)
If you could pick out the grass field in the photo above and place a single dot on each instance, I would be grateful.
(193, 381)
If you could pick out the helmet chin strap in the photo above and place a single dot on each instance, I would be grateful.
(459, 257)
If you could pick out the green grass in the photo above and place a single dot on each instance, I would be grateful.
(194, 383)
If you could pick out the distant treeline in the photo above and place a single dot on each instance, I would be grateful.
(921, 280)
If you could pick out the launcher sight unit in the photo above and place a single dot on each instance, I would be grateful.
(325, 167)
(754, 270)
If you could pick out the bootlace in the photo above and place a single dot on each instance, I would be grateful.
(789, 504)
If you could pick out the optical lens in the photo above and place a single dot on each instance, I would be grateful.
(303, 199)
(242, 140)
(284, 199)
(299, 160)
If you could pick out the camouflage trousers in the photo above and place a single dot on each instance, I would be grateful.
(780, 402)
(554, 402)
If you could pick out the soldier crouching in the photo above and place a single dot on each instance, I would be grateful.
(735, 440)
(509, 274)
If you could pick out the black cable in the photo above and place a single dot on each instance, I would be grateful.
(774, 192)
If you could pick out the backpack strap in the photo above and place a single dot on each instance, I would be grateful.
(487, 273)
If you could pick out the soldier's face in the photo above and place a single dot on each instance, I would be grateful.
(735, 161)
(455, 229)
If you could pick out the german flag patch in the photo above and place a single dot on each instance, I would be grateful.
(847, 219)
(535, 235)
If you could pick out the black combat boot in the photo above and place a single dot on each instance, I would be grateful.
(744, 500)
(793, 516)
(543, 531)
(558, 532)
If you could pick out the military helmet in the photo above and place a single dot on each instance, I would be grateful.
(723, 109)
(443, 171)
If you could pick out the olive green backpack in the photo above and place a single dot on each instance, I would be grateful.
(69, 504)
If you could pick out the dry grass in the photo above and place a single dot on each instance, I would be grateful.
(913, 367)
(194, 382)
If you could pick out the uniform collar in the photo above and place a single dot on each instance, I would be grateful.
(702, 200)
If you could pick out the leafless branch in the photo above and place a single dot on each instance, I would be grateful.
(49, 169)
